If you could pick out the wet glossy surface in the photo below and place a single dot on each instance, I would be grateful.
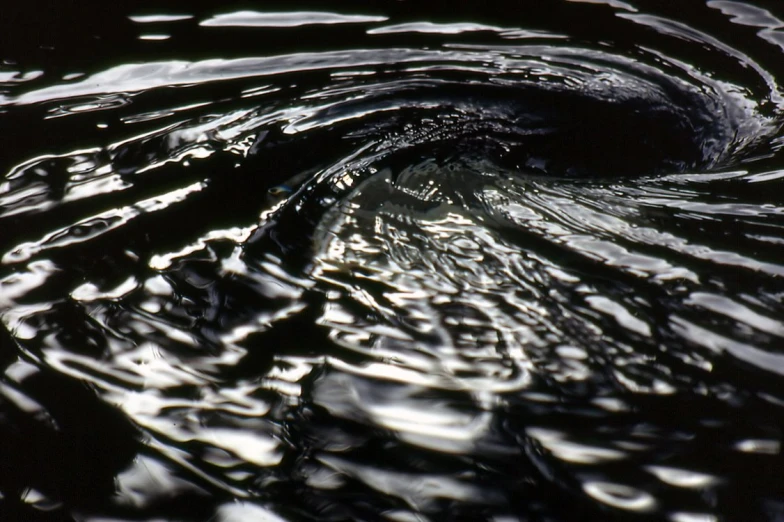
(387, 261)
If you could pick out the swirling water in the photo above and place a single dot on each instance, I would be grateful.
(392, 261)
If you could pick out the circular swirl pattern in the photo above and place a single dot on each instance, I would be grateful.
(423, 270)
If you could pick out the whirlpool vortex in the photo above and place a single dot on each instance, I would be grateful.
(321, 265)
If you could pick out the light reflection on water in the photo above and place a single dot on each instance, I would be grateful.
(436, 269)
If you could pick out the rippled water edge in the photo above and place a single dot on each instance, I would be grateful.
(460, 300)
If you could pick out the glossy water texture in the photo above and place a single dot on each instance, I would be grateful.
(393, 261)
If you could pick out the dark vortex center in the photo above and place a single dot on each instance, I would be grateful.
(552, 132)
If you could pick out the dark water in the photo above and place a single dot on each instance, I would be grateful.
(398, 261)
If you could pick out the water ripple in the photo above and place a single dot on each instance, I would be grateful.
(445, 269)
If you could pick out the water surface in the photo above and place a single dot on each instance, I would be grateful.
(392, 261)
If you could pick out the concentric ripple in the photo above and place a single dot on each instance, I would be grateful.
(504, 267)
